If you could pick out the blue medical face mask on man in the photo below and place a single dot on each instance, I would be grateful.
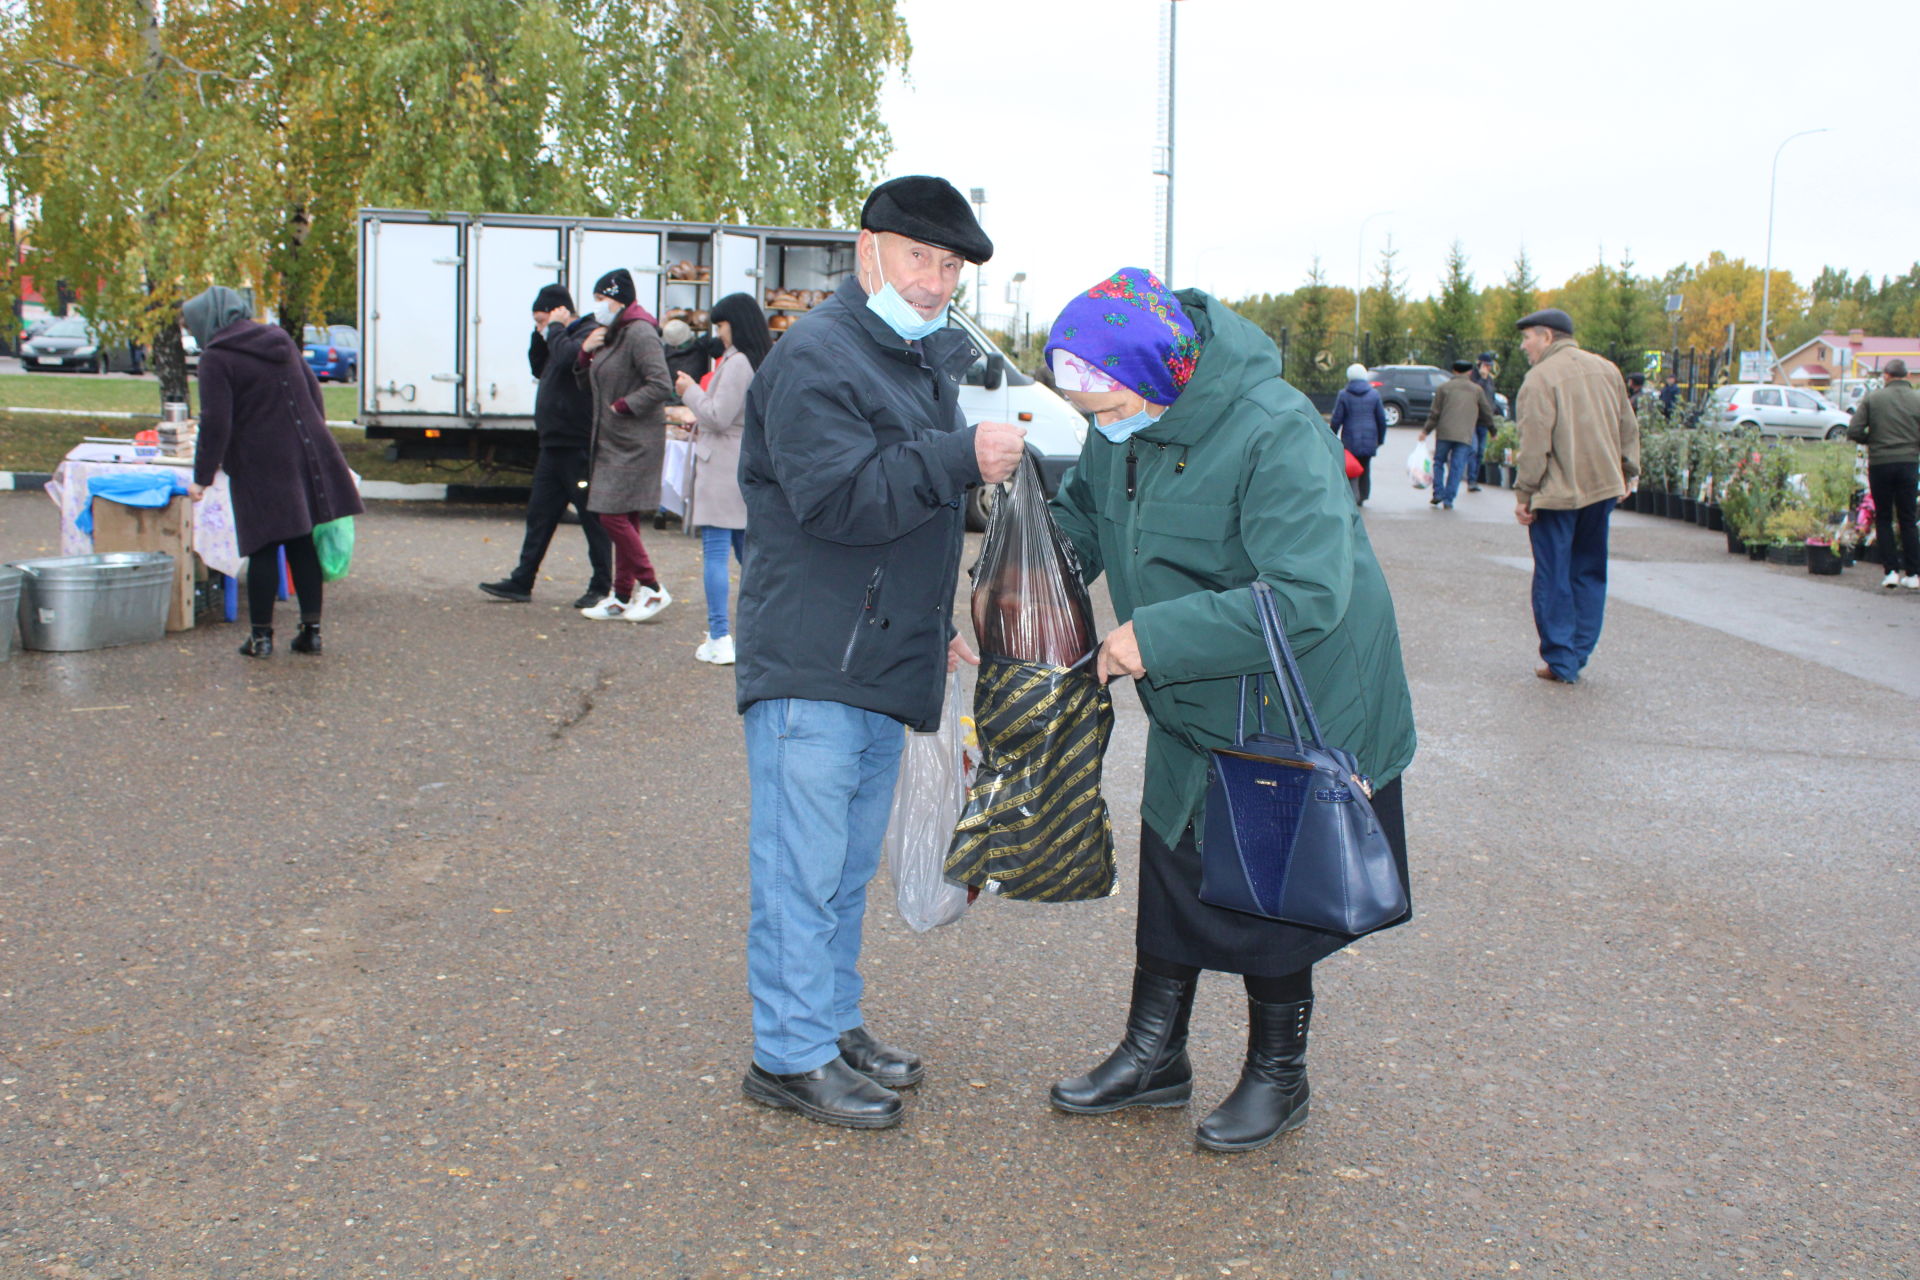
(899, 315)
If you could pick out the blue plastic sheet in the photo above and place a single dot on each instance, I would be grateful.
(131, 489)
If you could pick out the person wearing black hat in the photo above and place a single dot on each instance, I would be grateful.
(563, 421)
(1459, 412)
(1579, 455)
(855, 464)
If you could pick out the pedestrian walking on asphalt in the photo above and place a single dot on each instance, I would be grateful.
(624, 367)
(563, 420)
(1360, 420)
(855, 464)
(717, 415)
(1483, 378)
(1206, 472)
(1579, 455)
(1887, 421)
(262, 421)
(1458, 415)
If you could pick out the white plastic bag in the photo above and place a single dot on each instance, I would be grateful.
(1420, 464)
(935, 769)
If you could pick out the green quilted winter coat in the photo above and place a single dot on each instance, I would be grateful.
(1239, 479)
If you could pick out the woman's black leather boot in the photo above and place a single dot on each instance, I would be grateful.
(308, 641)
(1149, 1068)
(1271, 1097)
(259, 644)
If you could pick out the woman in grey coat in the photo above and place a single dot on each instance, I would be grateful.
(717, 414)
(623, 364)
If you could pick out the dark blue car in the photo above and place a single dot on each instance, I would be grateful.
(333, 352)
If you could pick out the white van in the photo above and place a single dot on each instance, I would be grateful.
(445, 322)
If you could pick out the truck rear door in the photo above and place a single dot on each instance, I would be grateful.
(736, 266)
(600, 249)
(506, 267)
(413, 317)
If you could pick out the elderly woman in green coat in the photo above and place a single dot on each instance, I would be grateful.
(1205, 471)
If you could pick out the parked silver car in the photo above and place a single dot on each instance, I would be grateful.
(1777, 411)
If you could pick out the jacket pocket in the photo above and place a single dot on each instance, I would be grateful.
(866, 620)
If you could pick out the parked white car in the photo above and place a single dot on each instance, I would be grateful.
(1777, 411)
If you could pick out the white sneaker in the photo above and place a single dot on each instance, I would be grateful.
(646, 602)
(703, 652)
(720, 652)
(1911, 582)
(608, 608)
(1892, 579)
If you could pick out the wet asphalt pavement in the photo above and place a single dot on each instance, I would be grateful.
(425, 958)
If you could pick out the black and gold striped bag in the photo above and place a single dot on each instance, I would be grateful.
(1035, 826)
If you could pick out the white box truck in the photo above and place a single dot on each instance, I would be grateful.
(445, 318)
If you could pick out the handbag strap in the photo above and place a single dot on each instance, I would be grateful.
(1286, 670)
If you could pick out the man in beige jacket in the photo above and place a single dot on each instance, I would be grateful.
(1579, 455)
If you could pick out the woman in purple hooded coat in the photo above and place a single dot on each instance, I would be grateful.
(262, 422)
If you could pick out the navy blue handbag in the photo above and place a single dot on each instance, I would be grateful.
(1290, 833)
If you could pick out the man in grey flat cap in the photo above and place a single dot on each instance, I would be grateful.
(1579, 455)
(855, 465)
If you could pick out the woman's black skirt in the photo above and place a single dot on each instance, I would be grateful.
(1175, 925)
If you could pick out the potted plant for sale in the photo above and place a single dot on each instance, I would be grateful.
(1791, 530)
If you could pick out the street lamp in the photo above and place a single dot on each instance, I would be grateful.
(1359, 276)
(1766, 280)
(1016, 288)
(979, 197)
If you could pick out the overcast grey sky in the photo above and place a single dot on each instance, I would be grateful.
(1574, 130)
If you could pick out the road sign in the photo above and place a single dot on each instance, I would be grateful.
(1753, 366)
(1651, 360)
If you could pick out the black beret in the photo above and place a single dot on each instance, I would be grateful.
(551, 296)
(1551, 318)
(930, 210)
(1463, 365)
(618, 285)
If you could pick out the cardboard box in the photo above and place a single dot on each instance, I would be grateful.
(117, 527)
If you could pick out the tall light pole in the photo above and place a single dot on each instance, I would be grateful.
(1163, 149)
(1766, 280)
(979, 197)
(1359, 273)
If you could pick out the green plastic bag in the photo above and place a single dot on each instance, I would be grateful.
(334, 541)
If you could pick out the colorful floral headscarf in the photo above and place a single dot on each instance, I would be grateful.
(1131, 328)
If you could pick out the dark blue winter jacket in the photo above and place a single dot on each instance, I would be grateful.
(1359, 419)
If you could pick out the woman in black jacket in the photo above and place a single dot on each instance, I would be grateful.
(262, 422)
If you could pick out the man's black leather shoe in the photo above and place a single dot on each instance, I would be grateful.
(592, 598)
(832, 1094)
(507, 589)
(881, 1063)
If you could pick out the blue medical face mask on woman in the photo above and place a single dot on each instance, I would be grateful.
(1120, 430)
(898, 314)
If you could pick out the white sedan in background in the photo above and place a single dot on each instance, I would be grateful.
(1777, 411)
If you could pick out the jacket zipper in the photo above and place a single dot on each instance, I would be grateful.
(866, 608)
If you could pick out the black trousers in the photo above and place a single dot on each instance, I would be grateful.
(1893, 486)
(557, 478)
(263, 579)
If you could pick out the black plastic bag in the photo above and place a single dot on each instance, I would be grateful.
(1035, 826)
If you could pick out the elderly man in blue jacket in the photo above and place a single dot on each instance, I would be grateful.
(855, 465)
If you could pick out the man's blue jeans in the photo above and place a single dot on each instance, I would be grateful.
(1569, 584)
(822, 775)
(1451, 458)
(716, 575)
(1480, 437)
